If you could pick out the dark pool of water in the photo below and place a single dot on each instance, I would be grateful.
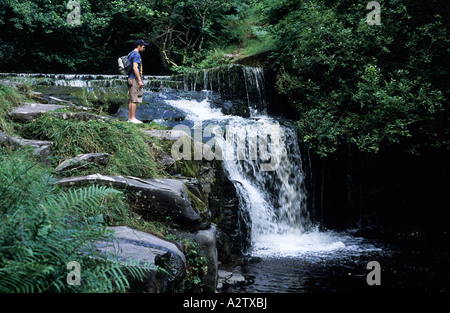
(405, 269)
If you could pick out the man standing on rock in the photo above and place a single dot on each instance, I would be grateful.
(135, 81)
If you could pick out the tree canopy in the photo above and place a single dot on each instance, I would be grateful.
(35, 35)
(359, 83)
(350, 81)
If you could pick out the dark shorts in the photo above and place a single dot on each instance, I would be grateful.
(134, 91)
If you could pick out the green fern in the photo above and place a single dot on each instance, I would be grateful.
(43, 228)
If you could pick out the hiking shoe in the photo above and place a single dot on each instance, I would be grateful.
(135, 121)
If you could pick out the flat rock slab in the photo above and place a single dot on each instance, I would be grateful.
(81, 116)
(172, 135)
(82, 161)
(29, 111)
(130, 245)
(15, 85)
(153, 198)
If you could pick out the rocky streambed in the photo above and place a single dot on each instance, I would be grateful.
(195, 205)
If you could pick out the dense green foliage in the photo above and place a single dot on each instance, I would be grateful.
(44, 228)
(368, 85)
(36, 36)
(351, 82)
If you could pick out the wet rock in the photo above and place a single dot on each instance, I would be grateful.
(224, 205)
(152, 198)
(154, 106)
(228, 279)
(146, 249)
(82, 161)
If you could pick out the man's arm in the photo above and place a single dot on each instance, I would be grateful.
(137, 74)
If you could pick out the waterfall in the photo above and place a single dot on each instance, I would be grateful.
(243, 85)
(267, 172)
(261, 156)
(90, 81)
(263, 160)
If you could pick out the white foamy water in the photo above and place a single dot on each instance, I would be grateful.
(313, 243)
(196, 110)
(266, 169)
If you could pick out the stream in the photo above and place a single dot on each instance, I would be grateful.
(288, 251)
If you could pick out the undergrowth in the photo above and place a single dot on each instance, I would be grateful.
(9, 98)
(43, 228)
(128, 146)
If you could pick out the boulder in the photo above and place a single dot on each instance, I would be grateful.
(228, 279)
(82, 161)
(152, 198)
(206, 239)
(130, 245)
(42, 149)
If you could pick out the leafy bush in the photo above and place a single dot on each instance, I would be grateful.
(368, 85)
(42, 229)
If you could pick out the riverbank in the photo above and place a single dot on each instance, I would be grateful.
(306, 261)
(91, 143)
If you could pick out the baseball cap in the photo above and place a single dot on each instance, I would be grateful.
(140, 42)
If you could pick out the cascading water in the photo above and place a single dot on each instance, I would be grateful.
(266, 170)
(261, 158)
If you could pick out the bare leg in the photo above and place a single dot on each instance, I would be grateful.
(131, 110)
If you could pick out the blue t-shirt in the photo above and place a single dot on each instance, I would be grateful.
(135, 57)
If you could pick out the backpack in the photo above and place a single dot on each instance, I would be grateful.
(125, 67)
